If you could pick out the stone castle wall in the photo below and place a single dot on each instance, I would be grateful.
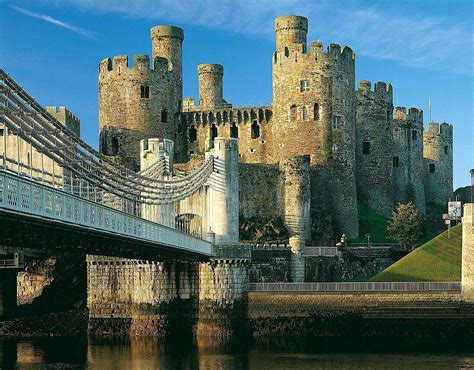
(315, 111)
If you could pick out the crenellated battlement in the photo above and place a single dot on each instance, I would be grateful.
(141, 64)
(444, 129)
(410, 116)
(382, 90)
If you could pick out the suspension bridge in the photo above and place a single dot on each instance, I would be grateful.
(57, 192)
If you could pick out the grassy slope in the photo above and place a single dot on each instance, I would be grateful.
(437, 260)
(373, 224)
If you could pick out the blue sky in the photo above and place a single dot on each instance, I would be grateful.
(424, 48)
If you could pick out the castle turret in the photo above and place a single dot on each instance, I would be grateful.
(134, 104)
(314, 113)
(408, 157)
(374, 146)
(290, 30)
(167, 43)
(438, 163)
(210, 87)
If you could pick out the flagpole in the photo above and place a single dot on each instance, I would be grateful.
(429, 104)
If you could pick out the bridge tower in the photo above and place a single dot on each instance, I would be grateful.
(314, 113)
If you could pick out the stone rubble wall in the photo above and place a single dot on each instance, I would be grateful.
(33, 279)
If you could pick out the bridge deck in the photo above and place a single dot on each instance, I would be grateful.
(35, 215)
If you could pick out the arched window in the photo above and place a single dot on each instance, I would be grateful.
(164, 116)
(293, 113)
(213, 131)
(287, 52)
(234, 130)
(316, 112)
(192, 134)
(305, 113)
(255, 130)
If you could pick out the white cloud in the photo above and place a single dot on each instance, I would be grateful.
(52, 20)
(381, 30)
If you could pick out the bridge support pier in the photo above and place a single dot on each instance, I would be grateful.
(467, 274)
(223, 294)
(7, 292)
(143, 298)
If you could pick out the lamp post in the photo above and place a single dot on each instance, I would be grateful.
(368, 240)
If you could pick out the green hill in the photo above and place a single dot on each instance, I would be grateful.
(371, 223)
(437, 260)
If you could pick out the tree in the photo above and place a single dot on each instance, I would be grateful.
(406, 225)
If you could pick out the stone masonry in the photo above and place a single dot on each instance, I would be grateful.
(360, 150)
(467, 272)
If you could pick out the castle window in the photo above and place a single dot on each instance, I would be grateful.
(414, 135)
(366, 147)
(255, 130)
(213, 131)
(432, 168)
(446, 148)
(2, 131)
(115, 146)
(164, 116)
(225, 116)
(396, 162)
(192, 134)
(336, 122)
(304, 85)
(179, 105)
(275, 57)
(293, 113)
(287, 52)
(316, 112)
(305, 113)
(234, 131)
(144, 91)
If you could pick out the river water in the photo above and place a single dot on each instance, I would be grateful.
(188, 353)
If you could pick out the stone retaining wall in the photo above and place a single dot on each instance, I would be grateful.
(333, 314)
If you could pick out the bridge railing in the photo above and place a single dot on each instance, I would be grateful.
(27, 196)
(356, 287)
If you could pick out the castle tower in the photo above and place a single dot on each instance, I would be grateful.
(374, 146)
(314, 113)
(167, 43)
(438, 166)
(210, 87)
(135, 103)
(408, 157)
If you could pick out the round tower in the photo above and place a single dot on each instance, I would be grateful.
(290, 29)
(408, 156)
(438, 166)
(166, 42)
(210, 86)
(133, 105)
(374, 146)
(314, 113)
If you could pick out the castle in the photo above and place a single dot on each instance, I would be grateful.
(324, 145)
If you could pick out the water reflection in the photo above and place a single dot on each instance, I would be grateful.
(211, 353)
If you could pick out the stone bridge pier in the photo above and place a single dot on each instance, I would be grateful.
(143, 298)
